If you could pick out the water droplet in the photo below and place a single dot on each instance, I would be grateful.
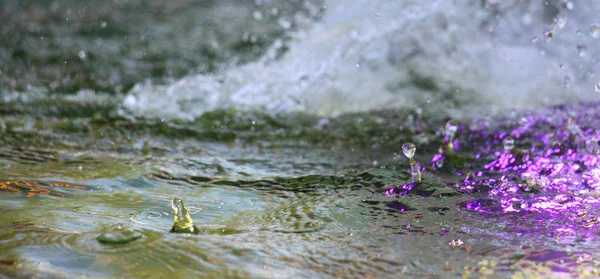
(567, 82)
(509, 143)
(591, 145)
(548, 35)
(581, 50)
(570, 5)
(284, 23)
(257, 15)
(119, 237)
(103, 24)
(523, 122)
(595, 31)
(455, 242)
(82, 55)
(183, 222)
(560, 20)
(409, 150)
(597, 87)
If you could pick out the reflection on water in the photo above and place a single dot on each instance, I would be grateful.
(510, 199)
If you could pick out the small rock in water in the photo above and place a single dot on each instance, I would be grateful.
(119, 237)
(183, 223)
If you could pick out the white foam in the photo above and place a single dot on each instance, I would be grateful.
(367, 54)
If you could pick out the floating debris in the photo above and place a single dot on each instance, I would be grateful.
(182, 222)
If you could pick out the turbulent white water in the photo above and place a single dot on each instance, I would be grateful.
(455, 56)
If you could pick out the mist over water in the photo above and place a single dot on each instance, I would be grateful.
(460, 57)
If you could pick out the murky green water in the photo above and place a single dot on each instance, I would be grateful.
(273, 196)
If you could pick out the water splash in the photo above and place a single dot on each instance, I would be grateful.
(449, 133)
(119, 237)
(409, 151)
(509, 144)
(183, 222)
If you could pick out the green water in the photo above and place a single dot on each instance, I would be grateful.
(273, 196)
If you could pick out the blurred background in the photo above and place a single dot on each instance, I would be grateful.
(179, 59)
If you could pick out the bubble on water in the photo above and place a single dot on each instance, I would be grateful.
(119, 237)
(560, 20)
(595, 31)
(581, 50)
(183, 222)
(509, 144)
(409, 150)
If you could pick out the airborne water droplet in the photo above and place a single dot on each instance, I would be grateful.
(183, 223)
(409, 150)
(451, 127)
(561, 20)
(548, 35)
(581, 50)
(509, 144)
(523, 122)
(595, 31)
